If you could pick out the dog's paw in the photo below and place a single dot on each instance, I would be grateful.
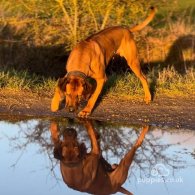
(83, 114)
(147, 100)
(142, 136)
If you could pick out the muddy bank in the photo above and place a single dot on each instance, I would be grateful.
(176, 112)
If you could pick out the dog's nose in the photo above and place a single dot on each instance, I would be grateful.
(71, 109)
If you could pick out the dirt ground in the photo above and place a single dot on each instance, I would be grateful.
(176, 112)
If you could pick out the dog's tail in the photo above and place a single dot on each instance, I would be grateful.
(145, 22)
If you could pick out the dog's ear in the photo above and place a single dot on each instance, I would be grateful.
(57, 152)
(59, 94)
(87, 90)
(62, 83)
(57, 98)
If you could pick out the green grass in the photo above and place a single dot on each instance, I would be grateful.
(183, 4)
(126, 86)
(172, 83)
(24, 81)
(167, 82)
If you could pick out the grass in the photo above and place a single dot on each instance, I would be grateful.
(171, 83)
(24, 81)
(167, 82)
(186, 4)
(126, 86)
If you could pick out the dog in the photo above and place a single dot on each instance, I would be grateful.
(90, 172)
(90, 58)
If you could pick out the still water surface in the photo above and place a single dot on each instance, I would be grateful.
(165, 163)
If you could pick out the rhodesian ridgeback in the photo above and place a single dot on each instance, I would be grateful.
(90, 172)
(90, 58)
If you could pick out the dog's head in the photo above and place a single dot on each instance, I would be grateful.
(73, 89)
(69, 151)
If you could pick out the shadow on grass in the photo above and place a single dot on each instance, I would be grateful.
(20, 54)
(44, 61)
(181, 57)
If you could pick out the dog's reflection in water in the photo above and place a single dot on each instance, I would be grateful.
(90, 172)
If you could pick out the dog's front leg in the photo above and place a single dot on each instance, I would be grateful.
(54, 132)
(95, 149)
(92, 100)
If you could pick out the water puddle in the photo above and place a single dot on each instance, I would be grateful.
(163, 164)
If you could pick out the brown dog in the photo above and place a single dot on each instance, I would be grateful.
(90, 172)
(89, 59)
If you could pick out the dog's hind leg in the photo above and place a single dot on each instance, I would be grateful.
(135, 66)
(119, 175)
(133, 63)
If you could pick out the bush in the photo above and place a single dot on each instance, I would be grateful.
(45, 22)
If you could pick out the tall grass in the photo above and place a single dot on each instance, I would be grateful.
(24, 81)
